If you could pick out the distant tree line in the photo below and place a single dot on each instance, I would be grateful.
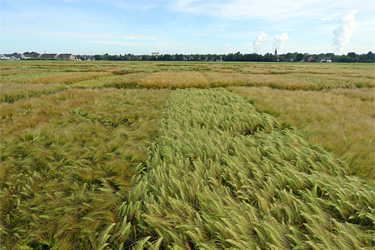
(351, 57)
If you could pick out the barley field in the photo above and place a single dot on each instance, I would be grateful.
(183, 155)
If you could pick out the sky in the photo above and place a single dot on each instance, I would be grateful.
(187, 26)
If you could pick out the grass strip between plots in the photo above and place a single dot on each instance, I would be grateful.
(221, 175)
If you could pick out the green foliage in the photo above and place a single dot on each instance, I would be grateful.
(63, 180)
(80, 168)
(222, 175)
(14, 92)
(291, 76)
(340, 120)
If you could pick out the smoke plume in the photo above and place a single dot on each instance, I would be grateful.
(259, 41)
(280, 41)
(344, 32)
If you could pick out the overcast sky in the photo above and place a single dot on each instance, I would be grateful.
(187, 26)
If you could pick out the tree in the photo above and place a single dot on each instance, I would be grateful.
(299, 57)
(353, 57)
(228, 57)
(269, 57)
(288, 56)
(342, 58)
(216, 57)
(179, 57)
(98, 58)
(370, 57)
(166, 57)
(237, 57)
(196, 57)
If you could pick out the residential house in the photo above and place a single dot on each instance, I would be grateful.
(4, 57)
(84, 58)
(30, 55)
(13, 57)
(89, 58)
(49, 56)
(307, 58)
(326, 59)
(66, 57)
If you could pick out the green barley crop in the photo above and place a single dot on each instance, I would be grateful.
(12, 92)
(222, 175)
(80, 168)
(63, 178)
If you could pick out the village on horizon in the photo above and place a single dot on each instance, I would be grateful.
(156, 56)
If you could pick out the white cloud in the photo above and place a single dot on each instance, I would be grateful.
(259, 41)
(280, 41)
(270, 10)
(344, 32)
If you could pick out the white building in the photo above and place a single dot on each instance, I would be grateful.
(3, 57)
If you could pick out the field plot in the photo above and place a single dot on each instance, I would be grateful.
(350, 135)
(187, 74)
(10, 92)
(67, 160)
(182, 155)
(340, 120)
(221, 175)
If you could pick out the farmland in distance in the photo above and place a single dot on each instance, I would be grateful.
(123, 155)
